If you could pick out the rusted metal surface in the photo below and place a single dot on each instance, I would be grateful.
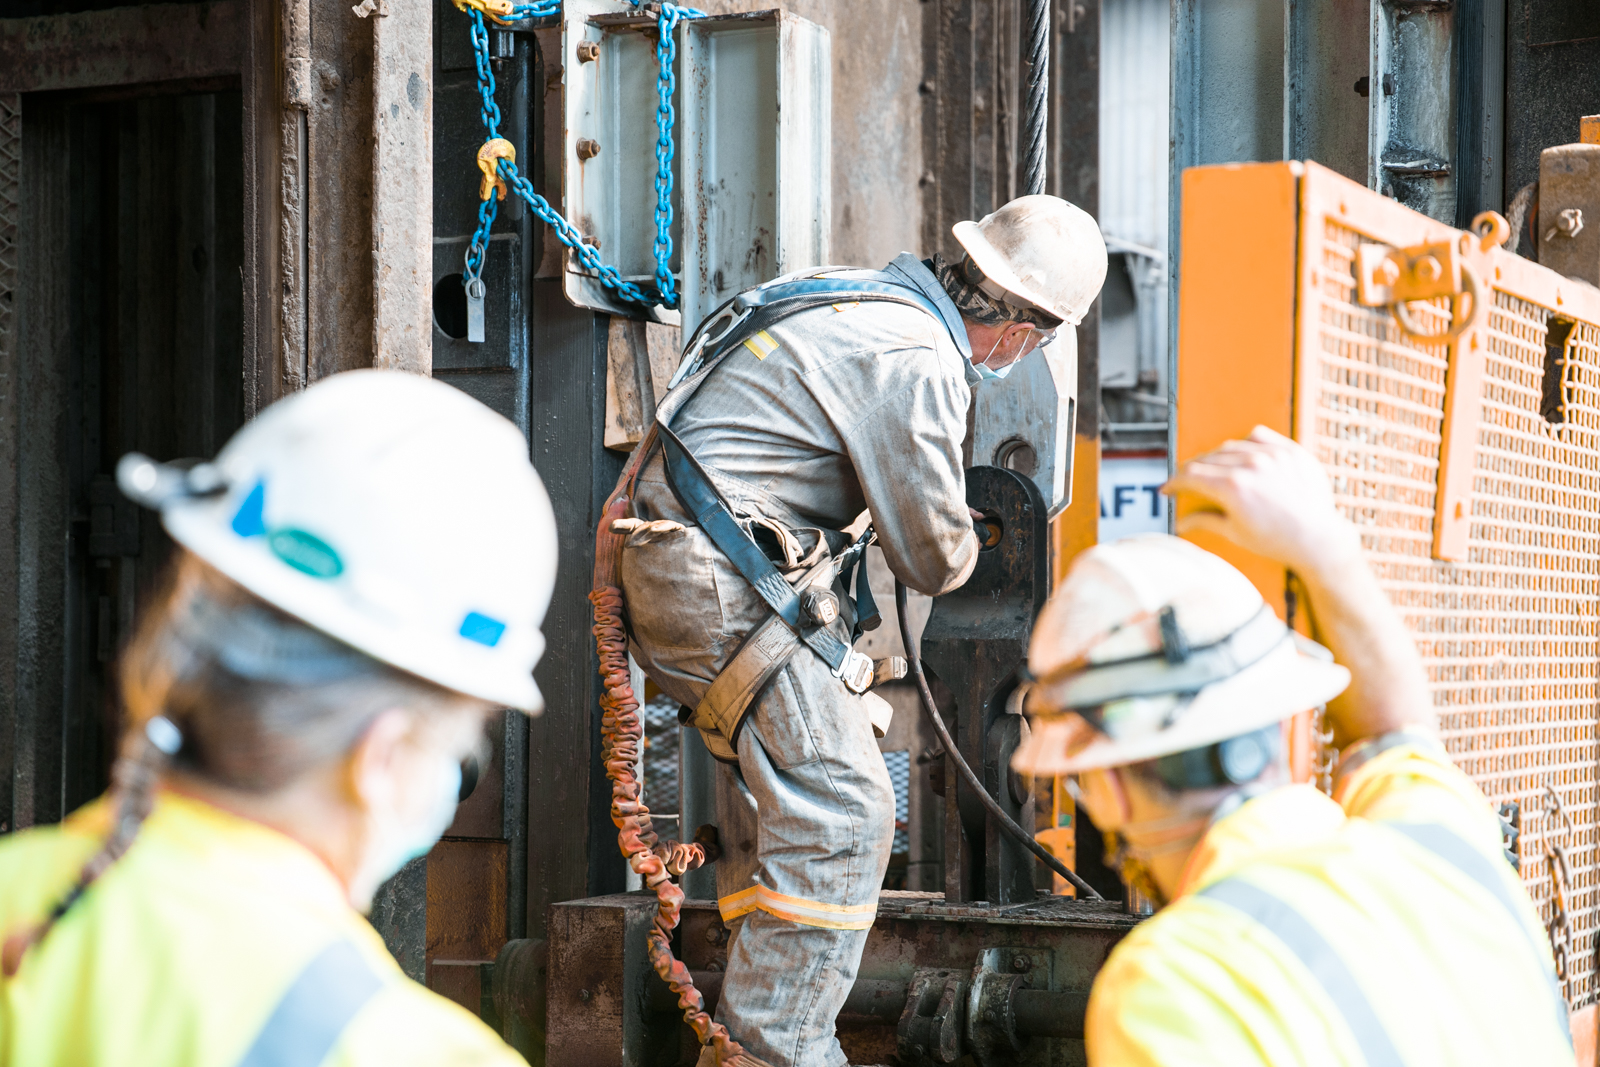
(1552, 50)
(338, 187)
(1569, 210)
(293, 159)
(123, 46)
(1032, 964)
(402, 187)
(466, 900)
(13, 672)
(975, 642)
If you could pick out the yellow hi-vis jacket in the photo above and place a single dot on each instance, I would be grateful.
(214, 942)
(1384, 930)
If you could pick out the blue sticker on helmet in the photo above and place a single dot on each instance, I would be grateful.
(305, 552)
(482, 629)
(249, 521)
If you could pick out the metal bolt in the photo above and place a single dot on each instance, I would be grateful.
(1429, 269)
(592, 241)
(926, 88)
(1019, 963)
(1388, 272)
(588, 51)
(588, 148)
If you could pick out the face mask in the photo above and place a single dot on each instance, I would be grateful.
(398, 842)
(986, 373)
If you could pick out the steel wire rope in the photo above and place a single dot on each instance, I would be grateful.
(1038, 103)
(931, 710)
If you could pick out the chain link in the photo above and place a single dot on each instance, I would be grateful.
(666, 293)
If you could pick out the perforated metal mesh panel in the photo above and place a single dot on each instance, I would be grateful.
(1510, 632)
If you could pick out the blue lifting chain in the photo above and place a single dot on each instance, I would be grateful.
(497, 158)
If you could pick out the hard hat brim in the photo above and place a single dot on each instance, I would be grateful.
(1283, 683)
(310, 600)
(993, 265)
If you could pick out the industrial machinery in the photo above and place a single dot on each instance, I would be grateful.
(1452, 389)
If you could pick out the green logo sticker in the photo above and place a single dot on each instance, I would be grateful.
(305, 552)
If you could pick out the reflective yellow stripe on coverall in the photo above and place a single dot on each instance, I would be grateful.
(215, 942)
(1307, 934)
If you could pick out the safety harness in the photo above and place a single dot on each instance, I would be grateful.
(769, 647)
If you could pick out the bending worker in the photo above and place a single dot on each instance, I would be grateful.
(803, 403)
(1293, 928)
(300, 697)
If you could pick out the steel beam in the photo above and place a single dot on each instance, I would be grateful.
(402, 187)
(123, 46)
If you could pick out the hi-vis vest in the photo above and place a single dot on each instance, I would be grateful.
(1392, 933)
(214, 942)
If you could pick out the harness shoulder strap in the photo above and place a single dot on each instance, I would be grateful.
(721, 333)
(701, 499)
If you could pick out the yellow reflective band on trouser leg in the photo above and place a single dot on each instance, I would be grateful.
(762, 345)
(798, 909)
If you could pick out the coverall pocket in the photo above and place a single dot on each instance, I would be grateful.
(671, 591)
(784, 719)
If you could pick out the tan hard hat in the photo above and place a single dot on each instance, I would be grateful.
(1152, 646)
(1041, 252)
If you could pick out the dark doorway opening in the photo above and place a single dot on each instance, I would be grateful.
(130, 339)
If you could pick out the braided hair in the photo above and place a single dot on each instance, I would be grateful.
(226, 688)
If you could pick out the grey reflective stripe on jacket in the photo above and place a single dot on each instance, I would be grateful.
(1320, 958)
(308, 1020)
(1313, 950)
(1448, 846)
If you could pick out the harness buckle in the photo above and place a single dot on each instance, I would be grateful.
(856, 671)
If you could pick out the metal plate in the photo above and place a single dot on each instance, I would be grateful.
(751, 169)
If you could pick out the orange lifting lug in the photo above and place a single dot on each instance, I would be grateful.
(1396, 277)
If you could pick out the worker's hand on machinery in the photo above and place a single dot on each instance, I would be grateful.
(1269, 495)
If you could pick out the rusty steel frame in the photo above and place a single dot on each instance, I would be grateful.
(607, 1008)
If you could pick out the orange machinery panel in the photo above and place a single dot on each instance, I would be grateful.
(1471, 466)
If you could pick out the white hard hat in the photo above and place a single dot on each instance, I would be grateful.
(1042, 252)
(1152, 646)
(387, 510)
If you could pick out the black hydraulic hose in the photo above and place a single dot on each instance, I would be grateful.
(1007, 823)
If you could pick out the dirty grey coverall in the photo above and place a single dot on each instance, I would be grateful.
(836, 409)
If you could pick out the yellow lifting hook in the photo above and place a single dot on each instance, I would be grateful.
(489, 157)
(498, 10)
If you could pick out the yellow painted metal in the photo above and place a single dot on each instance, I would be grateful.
(1472, 469)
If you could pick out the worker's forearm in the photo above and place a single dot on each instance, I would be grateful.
(1353, 617)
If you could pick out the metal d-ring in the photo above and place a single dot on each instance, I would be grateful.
(1471, 288)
